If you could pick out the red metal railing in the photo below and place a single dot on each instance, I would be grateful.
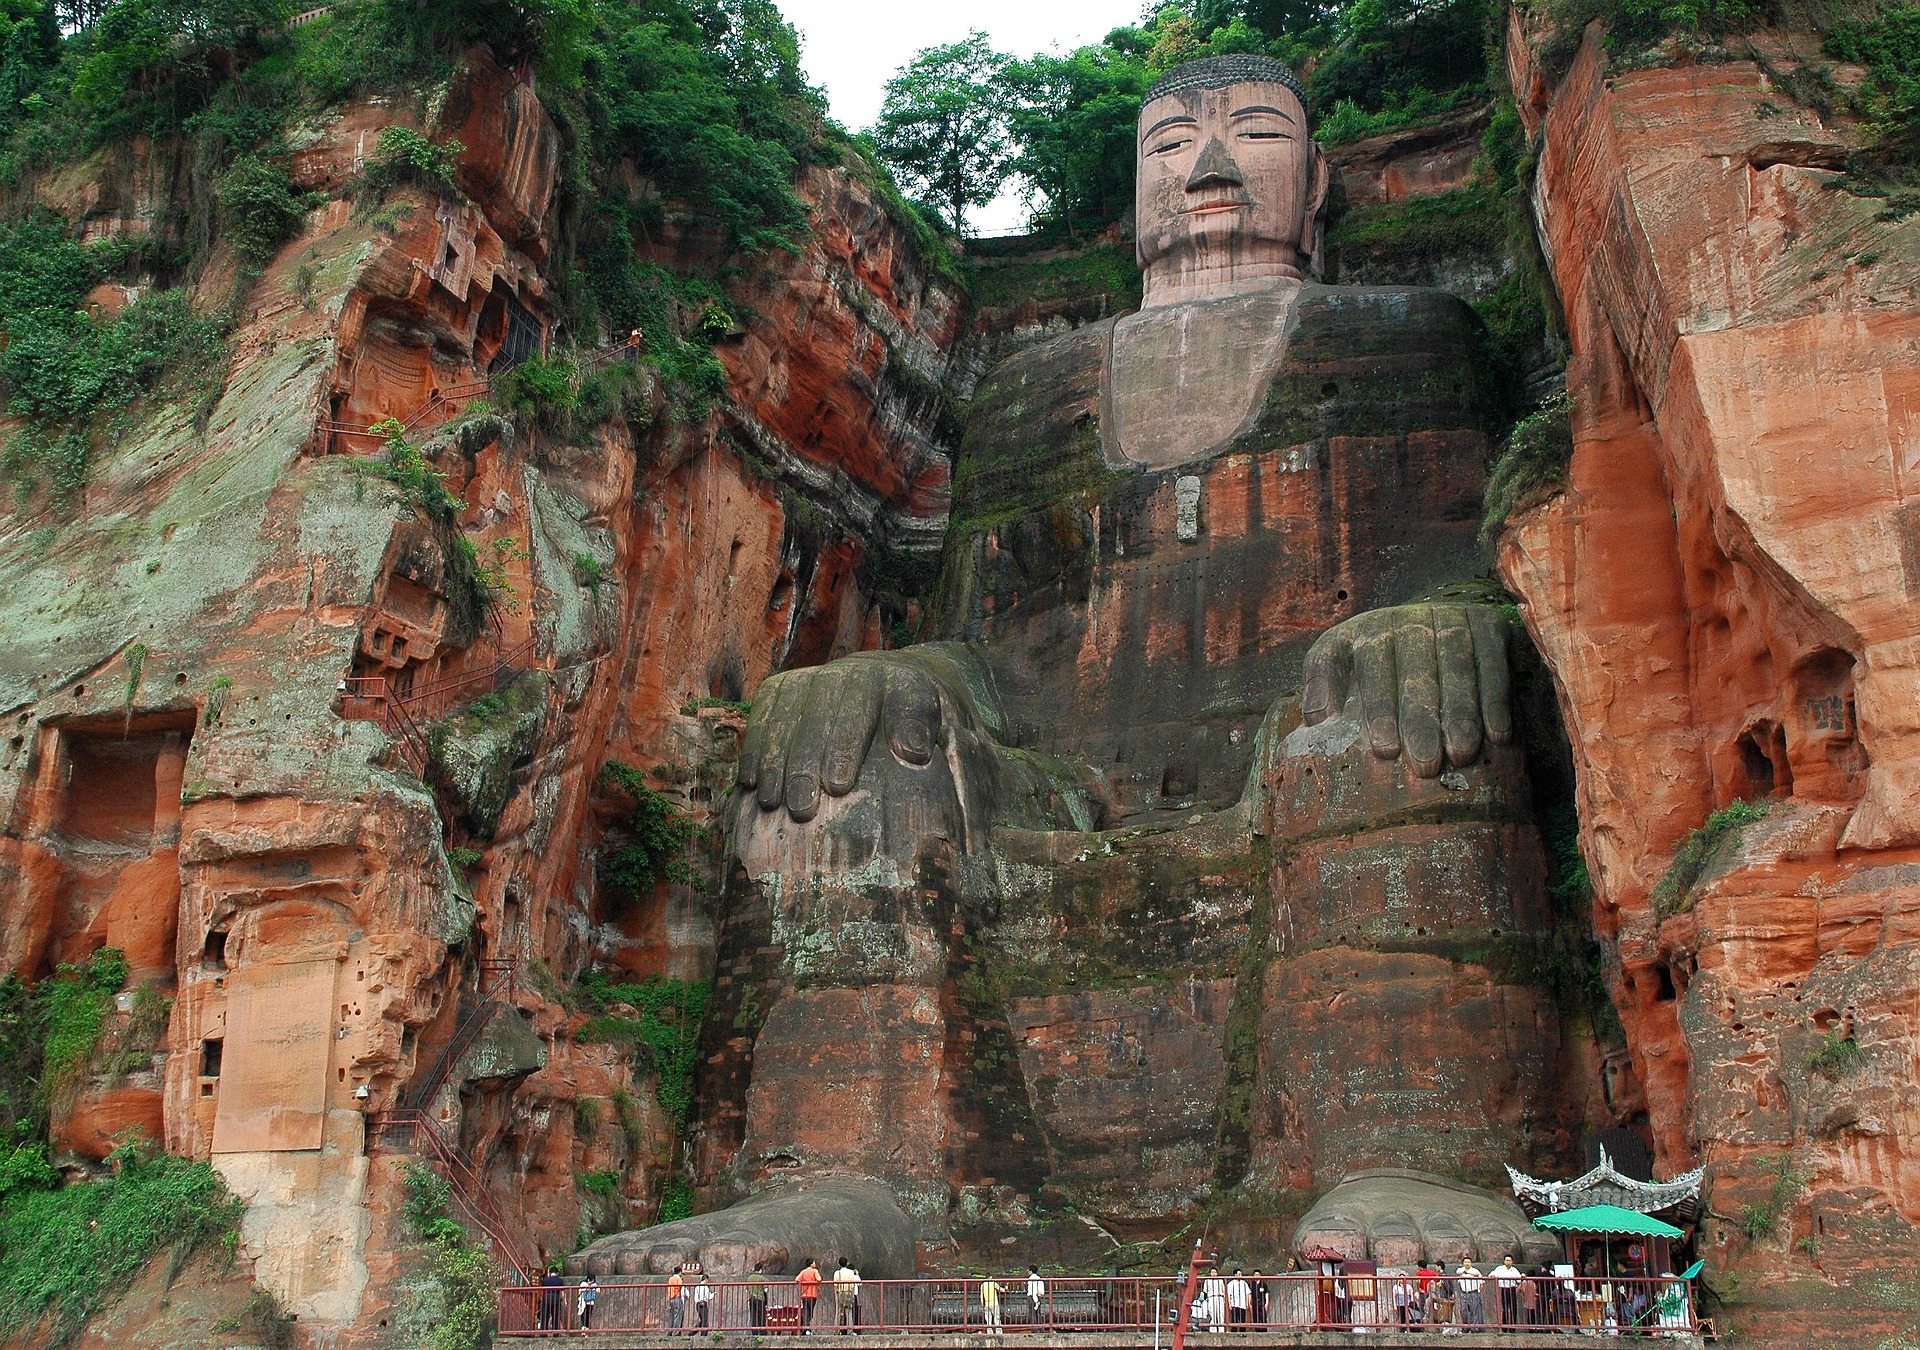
(370, 698)
(1293, 1302)
(441, 405)
(463, 1181)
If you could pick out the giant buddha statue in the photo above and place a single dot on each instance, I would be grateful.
(1176, 863)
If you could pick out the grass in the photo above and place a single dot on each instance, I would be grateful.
(67, 1253)
(1837, 1056)
(1697, 852)
(451, 1309)
(1532, 464)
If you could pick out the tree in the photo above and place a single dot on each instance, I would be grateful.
(943, 127)
(1073, 119)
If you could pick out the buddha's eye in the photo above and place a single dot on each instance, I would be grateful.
(1265, 136)
(1167, 147)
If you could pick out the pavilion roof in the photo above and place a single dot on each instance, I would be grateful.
(1606, 1185)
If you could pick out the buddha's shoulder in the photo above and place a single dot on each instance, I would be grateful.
(1380, 320)
(1057, 379)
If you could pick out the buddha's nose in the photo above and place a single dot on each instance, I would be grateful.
(1215, 168)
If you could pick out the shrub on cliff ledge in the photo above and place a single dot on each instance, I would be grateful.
(1699, 851)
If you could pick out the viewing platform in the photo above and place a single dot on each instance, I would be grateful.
(1107, 1312)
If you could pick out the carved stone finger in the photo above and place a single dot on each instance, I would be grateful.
(753, 746)
(1419, 670)
(1329, 675)
(807, 750)
(912, 716)
(1492, 634)
(1373, 667)
(774, 722)
(1459, 684)
(855, 714)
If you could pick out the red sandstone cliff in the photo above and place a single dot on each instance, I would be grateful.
(1724, 594)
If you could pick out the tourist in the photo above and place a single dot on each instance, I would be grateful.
(1406, 1301)
(809, 1281)
(1214, 1289)
(703, 1303)
(1262, 1298)
(990, 1292)
(583, 1304)
(1508, 1279)
(1471, 1309)
(550, 1300)
(846, 1297)
(1201, 1312)
(1532, 1302)
(1239, 1301)
(676, 1302)
(757, 1296)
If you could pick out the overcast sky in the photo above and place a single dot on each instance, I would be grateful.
(851, 48)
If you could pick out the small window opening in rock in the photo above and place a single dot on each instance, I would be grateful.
(343, 1075)
(1340, 595)
(447, 258)
(181, 678)
(214, 955)
(733, 558)
(79, 691)
(210, 1057)
(782, 591)
(1667, 992)
(1826, 1019)
(1329, 389)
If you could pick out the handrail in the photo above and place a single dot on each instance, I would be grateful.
(400, 717)
(495, 977)
(463, 1182)
(958, 1305)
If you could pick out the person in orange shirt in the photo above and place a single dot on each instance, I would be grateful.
(809, 1281)
(676, 1302)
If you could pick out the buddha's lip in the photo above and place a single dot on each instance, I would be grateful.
(1212, 208)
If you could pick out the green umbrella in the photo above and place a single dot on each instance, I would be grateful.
(1607, 1220)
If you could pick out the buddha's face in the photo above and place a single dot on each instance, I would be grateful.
(1229, 190)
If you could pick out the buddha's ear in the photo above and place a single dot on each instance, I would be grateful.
(1314, 228)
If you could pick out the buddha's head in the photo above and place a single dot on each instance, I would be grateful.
(1231, 186)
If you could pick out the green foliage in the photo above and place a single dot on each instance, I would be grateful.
(1698, 851)
(68, 1252)
(707, 100)
(455, 1304)
(69, 375)
(654, 834)
(260, 210)
(588, 571)
(676, 1201)
(403, 155)
(541, 391)
(1760, 1221)
(943, 126)
(1072, 120)
(136, 658)
(24, 1167)
(76, 999)
(1533, 461)
(669, 1015)
(632, 1128)
(1889, 47)
(1837, 1055)
(605, 1182)
(463, 859)
(420, 486)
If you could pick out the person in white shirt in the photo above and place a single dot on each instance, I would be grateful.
(1507, 1277)
(703, 1303)
(1239, 1301)
(846, 1296)
(1037, 1297)
(1215, 1290)
(1472, 1307)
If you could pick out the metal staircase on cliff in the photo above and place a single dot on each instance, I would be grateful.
(371, 698)
(411, 1128)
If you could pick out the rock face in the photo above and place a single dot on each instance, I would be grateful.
(1723, 592)
(187, 778)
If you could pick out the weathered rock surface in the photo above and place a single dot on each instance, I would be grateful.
(779, 1229)
(1723, 594)
(1401, 1217)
